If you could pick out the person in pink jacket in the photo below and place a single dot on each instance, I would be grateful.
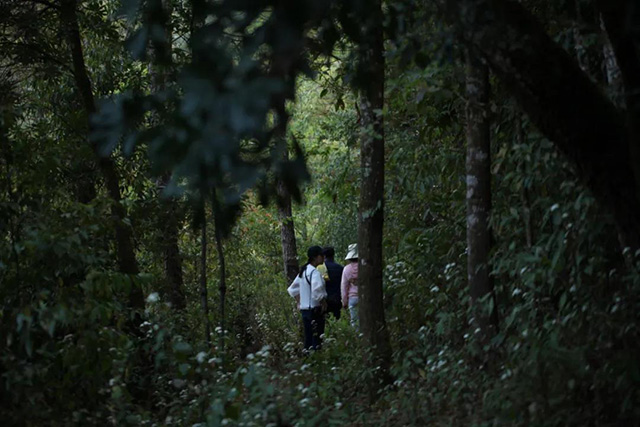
(349, 284)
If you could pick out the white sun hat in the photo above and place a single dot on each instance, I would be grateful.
(352, 252)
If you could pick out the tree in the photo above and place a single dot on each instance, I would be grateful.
(287, 231)
(371, 209)
(285, 215)
(561, 101)
(219, 225)
(124, 239)
(169, 214)
(478, 166)
(204, 294)
(621, 21)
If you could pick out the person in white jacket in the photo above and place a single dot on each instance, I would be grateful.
(310, 292)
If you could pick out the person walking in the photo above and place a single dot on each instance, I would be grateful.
(349, 284)
(333, 282)
(309, 291)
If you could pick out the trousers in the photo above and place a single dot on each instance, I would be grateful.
(313, 321)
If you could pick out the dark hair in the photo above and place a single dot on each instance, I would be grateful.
(312, 252)
(329, 252)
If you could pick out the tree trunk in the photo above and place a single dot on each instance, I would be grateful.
(561, 101)
(222, 287)
(621, 21)
(285, 215)
(612, 71)
(84, 176)
(371, 209)
(478, 165)
(287, 232)
(124, 240)
(525, 197)
(204, 297)
(169, 226)
(168, 215)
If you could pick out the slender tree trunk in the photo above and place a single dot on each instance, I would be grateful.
(168, 215)
(287, 232)
(560, 99)
(371, 209)
(478, 167)
(525, 197)
(222, 287)
(169, 225)
(124, 240)
(204, 297)
(285, 215)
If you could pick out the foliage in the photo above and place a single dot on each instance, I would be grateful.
(72, 354)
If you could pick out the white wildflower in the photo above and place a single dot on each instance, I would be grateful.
(153, 297)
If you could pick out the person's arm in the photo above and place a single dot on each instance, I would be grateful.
(294, 289)
(318, 289)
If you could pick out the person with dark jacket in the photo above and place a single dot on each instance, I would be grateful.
(334, 273)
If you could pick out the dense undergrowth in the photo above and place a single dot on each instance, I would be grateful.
(566, 352)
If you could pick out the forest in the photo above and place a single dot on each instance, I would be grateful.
(167, 168)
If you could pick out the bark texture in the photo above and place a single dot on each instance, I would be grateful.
(287, 229)
(525, 196)
(612, 71)
(169, 220)
(560, 99)
(169, 225)
(478, 167)
(124, 239)
(621, 20)
(287, 232)
(222, 286)
(371, 209)
(204, 295)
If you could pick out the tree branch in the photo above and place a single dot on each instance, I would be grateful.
(560, 100)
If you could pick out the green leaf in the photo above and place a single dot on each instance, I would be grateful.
(182, 347)
(184, 368)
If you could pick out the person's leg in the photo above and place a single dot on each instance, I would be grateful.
(308, 329)
(318, 329)
(334, 307)
(353, 312)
